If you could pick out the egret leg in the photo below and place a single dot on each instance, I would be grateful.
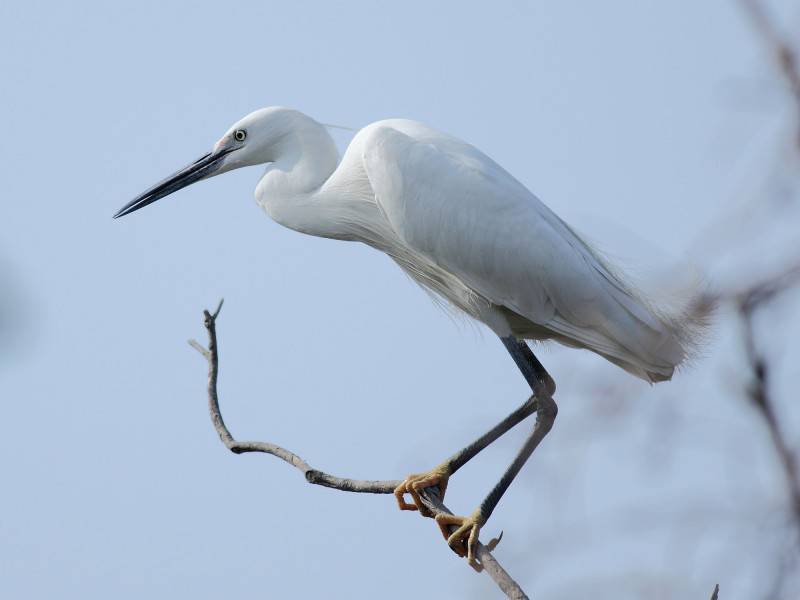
(440, 475)
(463, 540)
(541, 384)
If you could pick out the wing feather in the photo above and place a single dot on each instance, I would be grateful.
(452, 204)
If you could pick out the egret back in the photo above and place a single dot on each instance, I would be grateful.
(450, 204)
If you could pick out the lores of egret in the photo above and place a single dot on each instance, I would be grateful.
(464, 228)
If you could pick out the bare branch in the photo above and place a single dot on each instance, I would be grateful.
(430, 496)
(715, 593)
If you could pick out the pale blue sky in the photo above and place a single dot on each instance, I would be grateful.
(633, 120)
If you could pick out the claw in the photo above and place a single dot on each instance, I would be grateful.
(414, 484)
(463, 540)
(478, 565)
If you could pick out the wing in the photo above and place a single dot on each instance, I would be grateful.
(466, 214)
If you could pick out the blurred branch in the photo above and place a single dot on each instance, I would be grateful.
(759, 392)
(715, 593)
(747, 302)
(754, 293)
(785, 55)
(430, 496)
(750, 300)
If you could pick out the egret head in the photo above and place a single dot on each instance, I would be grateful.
(253, 140)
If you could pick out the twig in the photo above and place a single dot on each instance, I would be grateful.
(715, 593)
(430, 496)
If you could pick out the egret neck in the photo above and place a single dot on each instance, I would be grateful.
(290, 191)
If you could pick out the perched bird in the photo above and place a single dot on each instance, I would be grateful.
(464, 228)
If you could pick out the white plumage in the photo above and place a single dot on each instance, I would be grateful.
(459, 224)
(463, 227)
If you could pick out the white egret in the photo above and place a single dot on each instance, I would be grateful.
(464, 228)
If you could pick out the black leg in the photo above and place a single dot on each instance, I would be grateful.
(532, 370)
(440, 475)
(541, 384)
(465, 536)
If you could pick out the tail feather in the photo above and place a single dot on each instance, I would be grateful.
(648, 342)
(647, 339)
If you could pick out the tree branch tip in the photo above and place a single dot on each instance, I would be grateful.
(494, 542)
(715, 593)
(200, 348)
(219, 308)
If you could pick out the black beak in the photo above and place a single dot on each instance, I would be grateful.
(199, 169)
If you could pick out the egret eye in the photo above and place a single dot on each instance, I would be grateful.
(239, 135)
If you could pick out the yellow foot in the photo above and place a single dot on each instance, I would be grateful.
(414, 484)
(464, 539)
